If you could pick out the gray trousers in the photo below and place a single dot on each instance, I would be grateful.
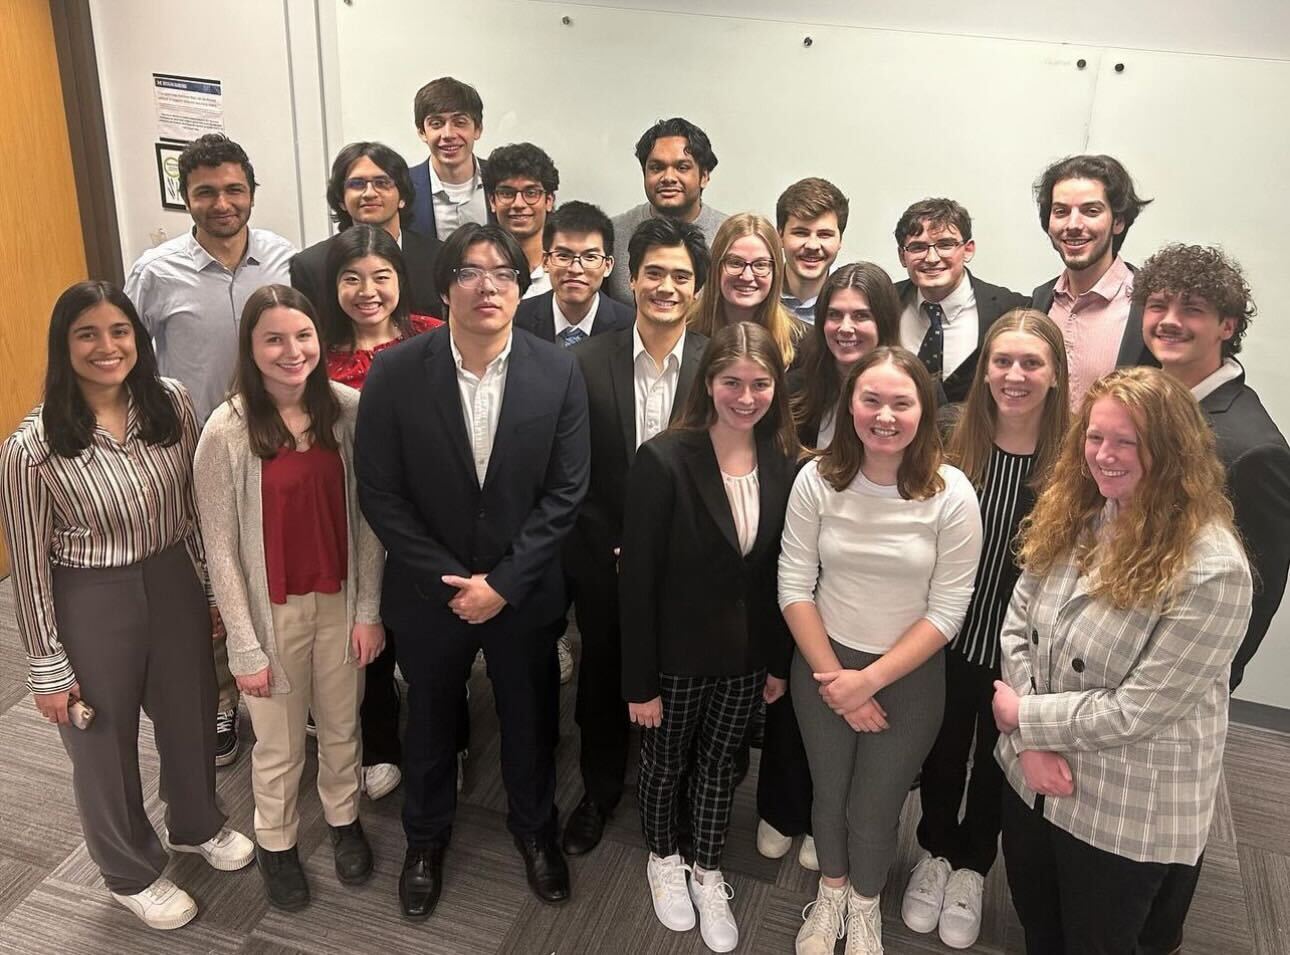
(861, 779)
(140, 636)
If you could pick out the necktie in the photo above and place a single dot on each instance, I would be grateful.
(931, 351)
(571, 336)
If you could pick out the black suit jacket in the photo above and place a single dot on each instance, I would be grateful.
(537, 315)
(1132, 350)
(991, 302)
(691, 603)
(423, 222)
(419, 492)
(607, 369)
(309, 273)
(1257, 460)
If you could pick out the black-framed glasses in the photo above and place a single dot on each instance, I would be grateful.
(379, 183)
(531, 194)
(943, 247)
(735, 266)
(470, 277)
(588, 260)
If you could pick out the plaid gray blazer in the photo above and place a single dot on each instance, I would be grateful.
(1136, 700)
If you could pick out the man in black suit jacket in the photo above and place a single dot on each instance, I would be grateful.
(473, 459)
(946, 310)
(637, 381)
(369, 183)
(449, 118)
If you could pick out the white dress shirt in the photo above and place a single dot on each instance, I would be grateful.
(655, 387)
(1230, 370)
(959, 327)
(457, 203)
(481, 403)
(539, 282)
(561, 323)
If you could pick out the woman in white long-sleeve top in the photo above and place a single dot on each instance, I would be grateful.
(880, 549)
(1116, 651)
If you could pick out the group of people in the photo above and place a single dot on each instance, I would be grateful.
(932, 533)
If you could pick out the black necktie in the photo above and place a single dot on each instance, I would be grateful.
(932, 351)
(571, 336)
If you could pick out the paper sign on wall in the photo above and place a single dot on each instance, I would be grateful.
(187, 106)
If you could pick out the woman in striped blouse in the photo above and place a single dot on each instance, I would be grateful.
(99, 516)
(1005, 441)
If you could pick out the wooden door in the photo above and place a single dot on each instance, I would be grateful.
(41, 247)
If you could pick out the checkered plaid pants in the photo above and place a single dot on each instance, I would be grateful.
(707, 717)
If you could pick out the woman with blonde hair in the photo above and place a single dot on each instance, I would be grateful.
(1116, 652)
(1005, 441)
(748, 268)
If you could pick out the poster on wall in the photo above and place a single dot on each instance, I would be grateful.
(168, 175)
(187, 106)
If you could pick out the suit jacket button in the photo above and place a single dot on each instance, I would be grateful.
(1077, 665)
(1034, 637)
(481, 513)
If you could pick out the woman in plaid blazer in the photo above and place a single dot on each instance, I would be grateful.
(1115, 659)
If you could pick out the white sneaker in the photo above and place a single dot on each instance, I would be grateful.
(864, 925)
(564, 653)
(772, 843)
(228, 850)
(961, 914)
(667, 886)
(806, 857)
(925, 893)
(712, 895)
(162, 905)
(825, 921)
(381, 779)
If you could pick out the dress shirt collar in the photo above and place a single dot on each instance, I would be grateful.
(954, 303)
(1116, 279)
(673, 358)
(202, 259)
(1229, 370)
(497, 364)
(562, 322)
(436, 184)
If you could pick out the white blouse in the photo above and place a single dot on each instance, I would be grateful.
(745, 506)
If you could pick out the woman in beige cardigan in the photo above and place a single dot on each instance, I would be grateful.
(296, 573)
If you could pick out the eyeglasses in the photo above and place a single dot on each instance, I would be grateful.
(379, 183)
(531, 194)
(471, 278)
(943, 248)
(588, 260)
(735, 266)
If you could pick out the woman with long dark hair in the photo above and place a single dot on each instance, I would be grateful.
(108, 568)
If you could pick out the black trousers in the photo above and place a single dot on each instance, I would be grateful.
(784, 789)
(973, 841)
(525, 676)
(379, 714)
(1075, 899)
(600, 711)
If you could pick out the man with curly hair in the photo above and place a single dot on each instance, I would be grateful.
(520, 181)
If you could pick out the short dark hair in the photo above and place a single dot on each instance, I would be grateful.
(577, 218)
(213, 149)
(453, 252)
(666, 233)
(447, 95)
(809, 199)
(392, 165)
(1203, 273)
(697, 143)
(938, 213)
(1125, 203)
(359, 241)
(520, 161)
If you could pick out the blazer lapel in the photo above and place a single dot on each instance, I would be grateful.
(691, 355)
(772, 476)
(522, 378)
(622, 380)
(701, 461)
(441, 376)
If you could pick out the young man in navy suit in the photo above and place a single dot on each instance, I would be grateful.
(449, 117)
(474, 460)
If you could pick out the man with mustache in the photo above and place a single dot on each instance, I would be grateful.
(946, 309)
(677, 160)
(520, 181)
(810, 216)
(1086, 205)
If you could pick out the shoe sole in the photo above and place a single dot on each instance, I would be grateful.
(164, 925)
(955, 944)
(288, 906)
(762, 851)
(382, 792)
(915, 925)
(222, 866)
(227, 759)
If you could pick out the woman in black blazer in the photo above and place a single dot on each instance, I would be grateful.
(700, 625)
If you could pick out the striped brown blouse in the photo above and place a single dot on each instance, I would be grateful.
(113, 505)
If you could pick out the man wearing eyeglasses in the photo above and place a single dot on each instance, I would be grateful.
(472, 459)
(520, 181)
(369, 183)
(946, 309)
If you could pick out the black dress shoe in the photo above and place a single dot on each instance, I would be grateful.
(421, 882)
(353, 854)
(545, 867)
(284, 880)
(585, 827)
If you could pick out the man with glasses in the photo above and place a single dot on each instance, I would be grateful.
(370, 184)
(472, 459)
(520, 181)
(449, 117)
(946, 309)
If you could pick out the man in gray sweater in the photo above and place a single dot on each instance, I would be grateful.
(676, 159)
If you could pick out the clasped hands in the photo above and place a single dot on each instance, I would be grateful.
(849, 693)
(1046, 773)
(476, 601)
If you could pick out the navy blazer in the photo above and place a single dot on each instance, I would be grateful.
(420, 494)
(1132, 349)
(537, 315)
(1257, 460)
(309, 273)
(423, 200)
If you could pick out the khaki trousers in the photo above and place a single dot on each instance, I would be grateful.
(312, 639)
(224, 679)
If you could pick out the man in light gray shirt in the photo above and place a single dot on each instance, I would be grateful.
(676, 158)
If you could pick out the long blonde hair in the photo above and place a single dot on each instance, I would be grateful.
(1182, 490)
(706, 315)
